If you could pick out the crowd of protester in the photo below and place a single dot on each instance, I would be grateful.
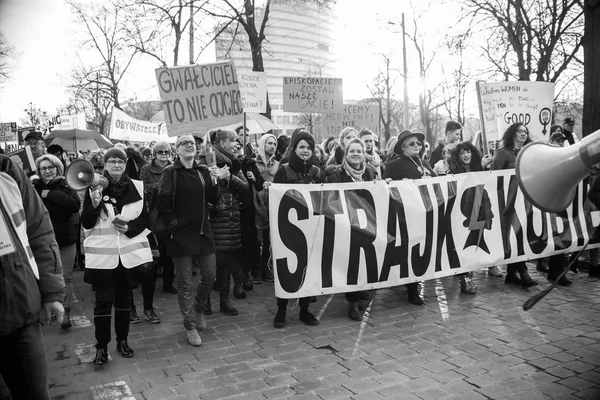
(212, 191)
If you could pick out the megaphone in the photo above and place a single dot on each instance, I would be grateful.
(548, 175)
(80, 175)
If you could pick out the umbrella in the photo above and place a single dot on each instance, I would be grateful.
(77, 139)
(255, 123)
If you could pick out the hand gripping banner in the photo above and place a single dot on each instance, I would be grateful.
(345, 237)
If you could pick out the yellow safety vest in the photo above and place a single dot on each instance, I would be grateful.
(104, 245)
(14, 213)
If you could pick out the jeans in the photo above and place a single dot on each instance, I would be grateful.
(67, 257)
(147, 275)
(23, 363)
(188, 306)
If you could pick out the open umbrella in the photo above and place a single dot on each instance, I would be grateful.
(77, 139)
(255, 123)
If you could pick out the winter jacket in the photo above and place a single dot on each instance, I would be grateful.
(150, 174)
(63, 205)
(21, 294)
(505, 158)
(188, 215)
(405, 168)
(339, 175)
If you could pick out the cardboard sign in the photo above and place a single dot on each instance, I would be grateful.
(505, 103)
(24, 158)
(8, 132)
(354, 115)
(196, 98)
(346, 237)
(312, 95)
(76, 121)
(124, 127)
(253, 87)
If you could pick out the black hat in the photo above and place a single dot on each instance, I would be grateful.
(405, 134)
(299, 135)
(32, 134)
(569, 121)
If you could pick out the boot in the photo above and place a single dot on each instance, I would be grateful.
(200, 322)
(308, 318)
(353, 311)
(66, 324)
(101, 356)
(511, 275)
(238, 286)
(224, 304)
(495, 271)
(247, 282)
(466, 285)
(542, 265)
(413, 294)
(124, 349)
(279, 321)
(526, 280)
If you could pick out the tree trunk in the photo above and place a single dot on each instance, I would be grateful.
(591, 78)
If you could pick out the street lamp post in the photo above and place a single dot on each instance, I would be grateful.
(405, 71)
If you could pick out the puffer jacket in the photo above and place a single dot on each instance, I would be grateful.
(21, 295)
(225, 216)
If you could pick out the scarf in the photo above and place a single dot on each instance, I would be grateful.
(299, 165)
(229, 159)
(115, 188)
(355, 174)
(373, 159)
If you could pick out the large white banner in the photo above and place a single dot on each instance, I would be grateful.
(124, 127)
(337, 238)
(196, 98)
(505, 103)
(253, 88)
(312, 95)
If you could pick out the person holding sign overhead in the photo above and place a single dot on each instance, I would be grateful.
(514, 138)
(300, 169)
(409, 165)
(115, 221)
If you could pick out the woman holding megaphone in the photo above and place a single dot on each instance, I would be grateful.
(515, 137)
(115, 222)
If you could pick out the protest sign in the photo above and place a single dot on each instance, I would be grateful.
(124, 127)
(312, 95)
(199, 97)
(253, 88)
(346, 237)
(75, 121)
(8, 131)
(355, 115)
(48, 123)
(502, 104)
(24, 159)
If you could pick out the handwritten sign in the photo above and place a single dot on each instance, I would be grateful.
(253, 87)
(75, 121)
(8, 131)
(355, 115)
(505, 103)
(124, 127)
(199, 97)
(308, 95)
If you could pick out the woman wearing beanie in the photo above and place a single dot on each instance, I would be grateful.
(300, 168)
(184, 191)
(409, 165)
(115, 221)
(353, 169)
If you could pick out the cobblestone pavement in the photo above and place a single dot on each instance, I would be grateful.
(457, 346)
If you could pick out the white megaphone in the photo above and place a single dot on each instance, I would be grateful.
(548, 175)
(80, 175)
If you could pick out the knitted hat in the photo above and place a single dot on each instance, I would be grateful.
(302, 135)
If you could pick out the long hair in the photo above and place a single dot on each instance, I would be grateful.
(457, 166)
(509, 135)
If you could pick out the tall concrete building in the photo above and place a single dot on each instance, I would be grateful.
(299, 41)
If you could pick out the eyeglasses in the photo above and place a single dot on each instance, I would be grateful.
(522, 131)
(187, 143)
(116, 162)
(411, 144)
(163, 152)
(50, 168)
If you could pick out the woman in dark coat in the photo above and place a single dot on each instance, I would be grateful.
(225, 220)
(115, 221)
(515, 137)
(186, 211)
(353, 169)
(63, 204)
(300, 168)
(409, 165)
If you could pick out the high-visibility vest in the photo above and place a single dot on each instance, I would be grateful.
(104, 245)
(13, 212)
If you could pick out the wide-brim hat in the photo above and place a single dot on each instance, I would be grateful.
(405, 134)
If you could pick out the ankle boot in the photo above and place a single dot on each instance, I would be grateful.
(353, 311)
(466, 285)
(279, 321)
(66, 324)
(124, 349)
(511, 275)
(101, 356)
(307, 317)
(238, 286)
(226, 306)
(526, 280)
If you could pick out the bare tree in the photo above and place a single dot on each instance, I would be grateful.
(381, 90)
(591, 87)
(530, 39)
(95, 88)
(7, 55)
(455, 90)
